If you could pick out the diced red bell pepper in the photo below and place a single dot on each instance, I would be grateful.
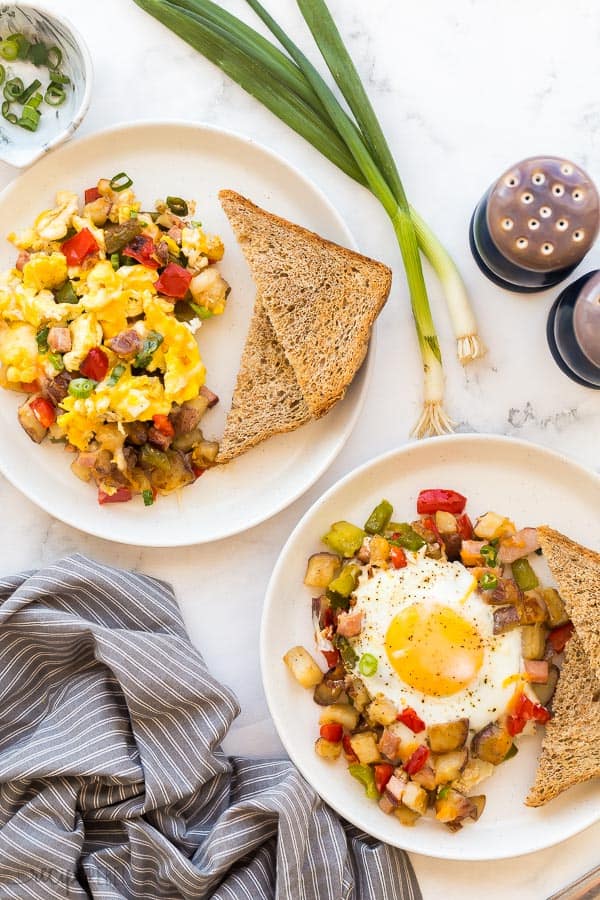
(174, 281)
(382, 772)
(430, 501)
(143, 250)
(465, 527)
(418, 759)
(91, 194)
(429, 524)
(350, 754)
(332, 657)
(331, 732)
(30, 387)
(79, 246)
(523, 710)
(198, 472)
(558, 637)
(398, 557)
(95, 365)
(44, 411)
(163, 424)
(410, 718)
(121, 495)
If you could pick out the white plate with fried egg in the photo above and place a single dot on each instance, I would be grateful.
(532, 486)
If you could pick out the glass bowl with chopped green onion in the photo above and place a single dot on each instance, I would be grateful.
(45, 82)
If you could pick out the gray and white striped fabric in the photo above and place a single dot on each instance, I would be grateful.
(112, 780)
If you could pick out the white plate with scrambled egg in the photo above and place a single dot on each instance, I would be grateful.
(532, 486)
(100, 353)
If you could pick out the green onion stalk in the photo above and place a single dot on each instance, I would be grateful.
(291, 87)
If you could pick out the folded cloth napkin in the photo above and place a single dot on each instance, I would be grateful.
(112, 780)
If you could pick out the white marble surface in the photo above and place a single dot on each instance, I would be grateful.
(463, 90)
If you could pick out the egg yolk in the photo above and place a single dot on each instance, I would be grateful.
(434, 650)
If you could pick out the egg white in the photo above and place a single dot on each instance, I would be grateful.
(428, 582)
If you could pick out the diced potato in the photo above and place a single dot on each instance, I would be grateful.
(445, 522)
(321, 569)
(531, 608)
(380, 551)
(557, 614)
(506, 618)
(478, 802)
(448, 766)
(382, 711)
(425, 777)
(340, 714)
(408, 740)
(452, 807)
(492, 743)
(364, 745)
(328, 749)
(492, 525)
(476, 771)
(406, 816)
(447, 737)
(303, 667)
(357, 692)
(415, 798)
(533, 641)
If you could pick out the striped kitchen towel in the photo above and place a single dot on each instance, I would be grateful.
(112, 781)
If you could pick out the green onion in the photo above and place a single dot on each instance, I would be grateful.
(367, 664)
(115, 260)
(42, 339)
(10, 117)
(488, 581)
(29, 91)
(13, 89)
(201, 311)
(9, 49)
(38, 54)
(57, 361)
(148, 497)
(57, 78)
(23, 45)
(81, 388)
(443, 792)
(2, 74)
(152, 342)
(120, 182)
(55, 95)
(54, 57)
(177, 205)
(115, 375)
(66, 294)
(490, 554)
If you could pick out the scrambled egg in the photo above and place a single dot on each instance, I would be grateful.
(89, 304)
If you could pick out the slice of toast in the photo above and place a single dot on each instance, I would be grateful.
(267, 399)
(571, 747)
(321, 299)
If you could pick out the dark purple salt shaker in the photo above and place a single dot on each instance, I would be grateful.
(573, 330)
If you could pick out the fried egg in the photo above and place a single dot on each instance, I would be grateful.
(431, 633)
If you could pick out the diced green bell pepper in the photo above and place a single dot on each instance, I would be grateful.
(347, 652)
(366, 776)
(379, 518)
(344, 583)
(406, 537)
(66, 294)
(344, 538)
(524, 575)
(153, 458)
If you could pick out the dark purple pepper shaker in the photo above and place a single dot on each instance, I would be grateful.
(535, 224)
(573, 330)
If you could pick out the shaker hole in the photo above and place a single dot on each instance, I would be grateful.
(562, 225)
(578, 235)
(545, 212)
(511, 181)
(558, 190)
(538, 178)
(577, 195)
(533, 224)
(507, 224)
(527, 198)
(547, 249)
(566, 169)
(522, 243)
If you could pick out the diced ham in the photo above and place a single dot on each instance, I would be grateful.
(508, 591)
(394, 790)
(389, 745)
(537, 670)
(160, 440)
(210, 396)
(386, 805)
(56, 389)
(185, 419)
(22, 258)
(364, 554)
(522, 543)
(470, 553)
(425, 777)
(59, 339)
(126, 343)
(349, 624)
(175, 233)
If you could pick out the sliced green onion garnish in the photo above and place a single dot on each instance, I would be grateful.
(120, 182)
(488, 581)
(490, 554)
(177, 205)
(42, 339)
(9, 49)
(115, 375)
(81, 388)
(152, 342)
(59, 78)
(57, 361)
(30, 118)
(13, 89)
(148, 497)
(201, 311)
(115, 260)
(55, 95)
(23, 45)
(2, 74)
(54, 57)
(10, 117)
(367, 664)
(38, 54)
(29, 91)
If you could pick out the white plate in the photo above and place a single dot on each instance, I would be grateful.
(193, 161)
(532, 486)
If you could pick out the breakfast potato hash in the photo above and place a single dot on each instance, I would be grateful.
(440, 646)
(97, 324)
